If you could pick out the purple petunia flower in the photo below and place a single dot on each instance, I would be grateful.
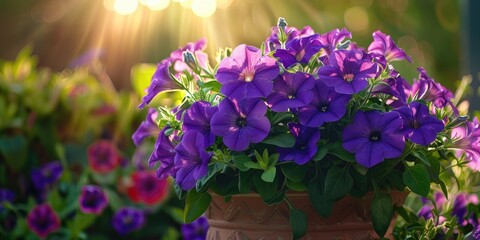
(459, 209)
(305, 147)
(197, 230)
(374, 136)
(164, 153)
(147, 128)
(197, 118)
(128, 219)
(395, 86)
(272, 43)
(196, 48)
(426, 212)
(247, 74)
(161, 81)
(347, 71)
(419, 126)
(240, 123)
(6, 195)
(43, 220)
(467, 139)
(291, 90)
(330, 40)
(46, 174)
(326, 106)
(92, 200)
(383, 44)
(425, 88)
(192, 160)
(298, 50)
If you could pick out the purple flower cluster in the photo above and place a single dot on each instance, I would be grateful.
(128, 219)
(197, 230)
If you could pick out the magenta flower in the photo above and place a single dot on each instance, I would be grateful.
(247, 74)
(46, 175)
(240, 123)
(192, 160)
(326, 106)
(147, 188)
(467, 140)
(43, 220)
(103, 156)
(425, 88)
(419, 126)
(347, 72)
(197, 118)
(291, 90)
(93, 200)
(161, 81)
(128, 219)
(147, 128)
(374, 136)
(305, 147)
(383, 45)
(164, 153)
(298, 50)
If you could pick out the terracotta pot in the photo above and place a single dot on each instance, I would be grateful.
(246, 216)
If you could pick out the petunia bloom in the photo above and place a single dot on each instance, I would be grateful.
(197, 118)
(103, 156)
(164, 153)
(247, 74)
(92, 200)
(161, 81)
(305, 147)
(291, 90)
(197, 230)
(326, 106)
(240, 123)
(6, 195)
(298, 50)
(128, 219)
(425, 88)
(347, 72)
(419, 126)
(467, 140)
(272, 43)
(147, 128)
(192, 160)
(43, 220)
(330, 41)
(395, 86)
(146, 188)
(383, 44)
(46, 174)
(374, 136)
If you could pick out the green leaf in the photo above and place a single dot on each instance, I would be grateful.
(298, 222)
(267, 190)
(195, 205)
(82, 221)
(433, 169)
(269, 174)
(321, 153)
(176, 213)
(338, 151)
(295, 186)
(382, 213)
(294, 172)
(213, 170)
(141, 77)
(322, 205)
(114, 200)
(422, 157)
(284, 140)
(14, 150)
(240, 161)
(213, 85)
(338, 182)
(416, 178)
(443, 186)
(245, 181)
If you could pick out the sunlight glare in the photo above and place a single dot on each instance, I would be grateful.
(204, 8)
(156, 4)
(125, 7)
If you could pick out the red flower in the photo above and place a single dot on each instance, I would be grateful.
(147, 188)
(103, 156)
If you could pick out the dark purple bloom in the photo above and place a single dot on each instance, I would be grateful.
(305, 147)
(128, 219)
(347, 71)
(326, 106)
(43, 220)
(298, 50)
(240, 123)
(418, 125)
(459, 209)
(467, 140)
(161, 81)
(426, 211)
(374, 136)
(395, 86)
(147, 128)
(383, 44)
(47, 174)
(247, 74)
(192, 160)
(331, 39)
(92, 200)
(273, 43)
(6, 195)
(197, 118)
(291, 90)
(197, 230)
(164, 153)
(425, 88)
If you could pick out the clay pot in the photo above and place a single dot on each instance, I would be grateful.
(246, 216)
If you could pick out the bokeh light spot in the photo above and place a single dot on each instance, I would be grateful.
(156, 4)
(356, 19)
(125, 7)
(204, 8)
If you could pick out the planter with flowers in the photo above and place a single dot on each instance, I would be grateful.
(307, 125)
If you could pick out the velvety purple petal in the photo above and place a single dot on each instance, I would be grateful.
(393, 145)
(370, 155)
(237, 141)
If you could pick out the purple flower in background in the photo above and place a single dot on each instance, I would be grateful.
(194, 47)
(383, 44)
(240, 123)
(147, 128)
(272, 42)
(197, 230)
(298, 50)
(374, 136)
(92, 200)
(467, 140)
(419, 126)
(291, 90)
(46, 174)
(305, 147)
(128, 219)
(426, 211)
(425, 88)
(330, 40)
(161, 81)
(197, 118)
(459, 209)
(247, 74)
(439, 199)
(347, 71)
(103, 156)
(43, 220)
(192, 160)
(6, 195)
(164, 153)
(326, 106)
